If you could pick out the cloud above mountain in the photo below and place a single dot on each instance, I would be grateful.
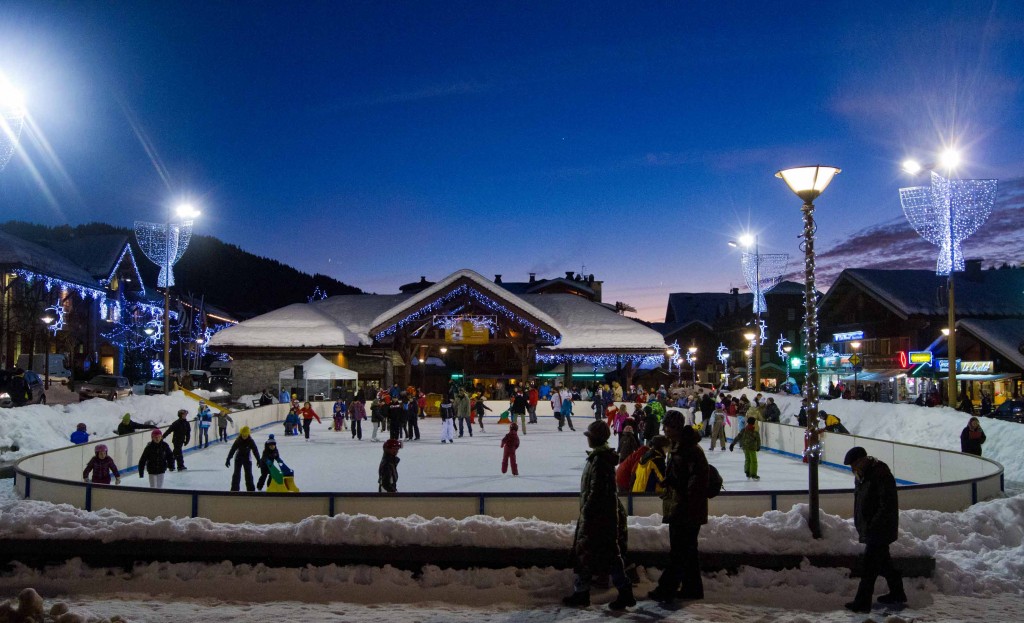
(894, 243)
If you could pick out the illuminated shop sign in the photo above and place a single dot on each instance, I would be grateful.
(849, 335)
(979, 367)
(920, 356)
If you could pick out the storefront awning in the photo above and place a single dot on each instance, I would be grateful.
(986, 377)
(876, 376)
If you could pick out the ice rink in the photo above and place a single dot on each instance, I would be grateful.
(549, 461)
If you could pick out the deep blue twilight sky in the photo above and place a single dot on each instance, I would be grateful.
(379, 141)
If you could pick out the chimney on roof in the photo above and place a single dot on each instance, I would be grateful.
(734, 291)
(533, 277)
(497, 279)
(423, 278)
(590, 279)
(972, 269)
(568, 275)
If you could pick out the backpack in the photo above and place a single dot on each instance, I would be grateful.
(643, 477)
(715, 482)
(626, 468)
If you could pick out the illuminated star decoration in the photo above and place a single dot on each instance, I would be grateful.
(12, 119)
(57, 313)
(763, 326)
(762, 272)
(721, 353)
(947, 213)
(779, 345)
(163, 244)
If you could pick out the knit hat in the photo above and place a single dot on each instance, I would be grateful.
(243, 432)
(156, 433)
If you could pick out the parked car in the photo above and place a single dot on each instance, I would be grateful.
(1011, 411)
(200, 380)
(33, 389)
(106, 386)
(220, 383)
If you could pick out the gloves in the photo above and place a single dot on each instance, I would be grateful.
(117, 481)
(732, 447)
(227, 463)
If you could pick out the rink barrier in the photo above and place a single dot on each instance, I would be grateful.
(943, 480)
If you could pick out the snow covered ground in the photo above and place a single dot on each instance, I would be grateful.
(980, 552)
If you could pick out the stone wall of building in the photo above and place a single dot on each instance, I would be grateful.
(251, 373)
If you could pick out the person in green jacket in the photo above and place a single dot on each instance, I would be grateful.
(750, 443)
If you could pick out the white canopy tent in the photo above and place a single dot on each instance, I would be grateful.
(317, 372)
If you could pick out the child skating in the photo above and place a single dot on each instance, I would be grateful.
(509, 443)
(387, 473)
(750, 443)
(101, 466)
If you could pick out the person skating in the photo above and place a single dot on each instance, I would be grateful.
(462, 412)
(387, 472)
(601, 524)
(204, 419)
(750, 442)
(447, 412)
(308, 415)
(340, 412)
(684, 509)
(876, 514)
(270, 456)
(412, 421)
(376, 417)
(101, 466)
(717, 424)
(480, 409)
(222, 425)
(243, 446)
(180, 433)
(532, 398)
(509, 444)
(357, 416)
(566, 413)
(156, 459)
(396, 416)
(972, 437)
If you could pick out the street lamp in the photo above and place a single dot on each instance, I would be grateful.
(946, 213)
(761, 272)
(691, 358)
(808, 183)
(750, 336)
(787, 349)
(12, 119)
(725, 365)
(855, 360)
(47, 320)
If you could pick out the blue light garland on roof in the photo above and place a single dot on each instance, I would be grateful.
(126, 251)
(480, 298)
(601, 360)
(49, 282)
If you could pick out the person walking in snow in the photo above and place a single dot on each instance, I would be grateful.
(750, 442)
(101, 466)
(601, 524)
(240, 449)
(308, 415)
(156, 459)
(876, 514)
(447, 410)
(387, 471)
(180, 433)
(509, 445)
(972, 437)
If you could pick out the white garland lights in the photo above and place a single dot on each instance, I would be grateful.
(480, 298)
(722, 353)
(947, 213)
(762, 272)
(781, 344)
(603, 360)
(163, 244)
(490, 323)
(57, 312)
(49, 282)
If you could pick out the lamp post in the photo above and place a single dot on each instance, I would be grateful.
(47, 320)
(747, 240)
(691, 358)
(808, 183)
(855, 360)
(945, 214)
(750, 337)
(184, 212)
(787, 349)
(725, 364)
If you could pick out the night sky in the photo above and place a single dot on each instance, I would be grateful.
(379, 141)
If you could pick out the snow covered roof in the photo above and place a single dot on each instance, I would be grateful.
(18, 253)
(99, 255)
(704, 306)
(347, 320)
(991, 293)
(1005, 335)
(585, 325)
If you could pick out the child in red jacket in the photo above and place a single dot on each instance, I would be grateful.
(510, 442)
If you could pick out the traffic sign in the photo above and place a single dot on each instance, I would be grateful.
(855, 360)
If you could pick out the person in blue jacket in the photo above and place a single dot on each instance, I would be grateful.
(80, 436)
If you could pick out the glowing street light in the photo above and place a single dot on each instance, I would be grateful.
(762, 272)
(12, 119)
(855, 346)
(47, 320)
(808, 183)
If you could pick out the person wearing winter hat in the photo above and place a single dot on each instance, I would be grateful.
(750, 442)
(509, 444)
(876, 515)
(180, 433)
(156, 458)
(101, 466)
(601, 524)
(243, 445)
(127, 426)
(80, 435)
(270, 455)
(387, 471)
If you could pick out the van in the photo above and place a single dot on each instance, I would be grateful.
(58, 365)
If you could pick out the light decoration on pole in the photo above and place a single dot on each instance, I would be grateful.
(762, 272)
(722, 353)
(780, 346)
(751, 339)
(164, 244)
(57, 313)
(808, 183)
(945, 214)
(12, 119)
